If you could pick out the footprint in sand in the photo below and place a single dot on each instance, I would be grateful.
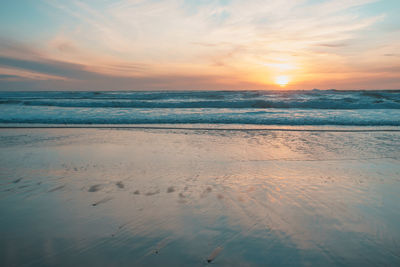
(206, 192)
(56, 188)
(170, 189)
(95, 188)
(182, 198)
(17, 181)
(152, 193)
(120, 184)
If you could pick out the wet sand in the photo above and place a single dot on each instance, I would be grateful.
(192, 197)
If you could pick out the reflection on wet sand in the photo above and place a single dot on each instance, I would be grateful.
(182, 197)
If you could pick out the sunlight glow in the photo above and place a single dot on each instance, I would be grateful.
(282, 80)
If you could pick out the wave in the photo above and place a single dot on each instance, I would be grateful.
(312, 122)
(48, 115)
(261, 104)
(315, 99)
(316, 107)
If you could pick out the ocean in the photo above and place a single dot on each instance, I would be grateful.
(292, 108)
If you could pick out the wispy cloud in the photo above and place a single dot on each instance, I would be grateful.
(249, 42)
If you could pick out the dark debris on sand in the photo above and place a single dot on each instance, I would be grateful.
(214, 254)
(104, 200)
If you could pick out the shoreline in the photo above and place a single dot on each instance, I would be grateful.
(208, 127)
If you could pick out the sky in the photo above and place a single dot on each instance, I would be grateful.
(199, 44)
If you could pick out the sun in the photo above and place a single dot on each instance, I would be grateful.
(282, 80)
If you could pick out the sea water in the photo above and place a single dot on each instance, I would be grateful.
(313, 107)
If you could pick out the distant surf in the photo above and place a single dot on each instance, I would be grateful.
(314, 107)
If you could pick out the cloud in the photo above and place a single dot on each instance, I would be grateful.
(104, 83)
(333, 45)
(17, 49)
(248, 42)
(46, 74)
(392, 55)
(52, 67)
(8, 77)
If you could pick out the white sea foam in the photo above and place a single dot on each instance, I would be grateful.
(316, 107)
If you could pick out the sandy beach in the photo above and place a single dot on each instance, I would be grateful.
(133, 197)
